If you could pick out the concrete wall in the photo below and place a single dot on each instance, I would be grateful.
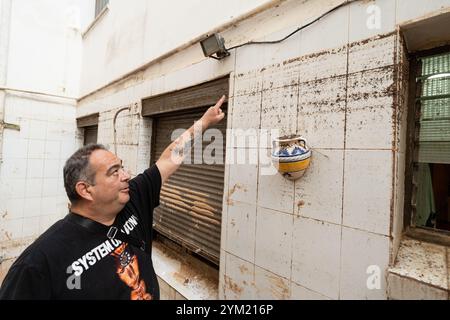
(40, 63)
(152, 29)
(340, 83)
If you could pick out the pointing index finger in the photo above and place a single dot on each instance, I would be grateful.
(220, 102)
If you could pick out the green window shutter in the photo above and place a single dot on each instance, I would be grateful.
(99, 5)
(434, 130)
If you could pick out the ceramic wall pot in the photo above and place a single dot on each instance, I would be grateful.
(291, 156)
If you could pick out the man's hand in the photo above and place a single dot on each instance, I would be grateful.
(174, 154)
(213, 115)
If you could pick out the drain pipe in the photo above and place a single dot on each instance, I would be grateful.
(114, 125)
(5, 23)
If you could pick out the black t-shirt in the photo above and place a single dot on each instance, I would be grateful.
(69, 261)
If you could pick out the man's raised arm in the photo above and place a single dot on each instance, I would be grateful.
(174, 154)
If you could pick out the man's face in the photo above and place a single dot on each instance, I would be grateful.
(110, 190)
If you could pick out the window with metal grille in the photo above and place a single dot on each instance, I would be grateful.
(430, 199)
(99, 5)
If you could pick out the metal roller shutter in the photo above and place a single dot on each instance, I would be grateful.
(190, 212)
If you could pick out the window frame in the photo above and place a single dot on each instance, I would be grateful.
(438, 236)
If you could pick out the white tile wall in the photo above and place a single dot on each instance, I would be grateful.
(32, 167)
(274, 191)
(36, 149)
(321, 118)
(271, 286)
(316, 256)
(14, 148)
(375, 53)
(368, 190)
(52, 168)
(13, 168)
(243, 183)
(239, 278)
(30, 227)
(32, 207)
(68, 147)
(318, 194)
(14, 209)
(360, 250)
(11, 229)
(240, 230)
(370, 109)
(52, 149)
(299, 292)
(371, 126)
(247, 83)
(324, 65)
(274, 241)
(35, 168)
(14, 188)
(49, 205)
(45, 221)
(281, 75)
(247, 112)
(33, 187)
(50, 187)
(279, 110)
(38, 129)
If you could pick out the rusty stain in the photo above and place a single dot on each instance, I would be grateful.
(279, 288)
(243, 269)
(233, 286)
(230, 202)
(300, 203)
(237, 186)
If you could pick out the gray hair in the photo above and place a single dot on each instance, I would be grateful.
(77, 168)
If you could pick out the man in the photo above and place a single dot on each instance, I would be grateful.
(102, 248)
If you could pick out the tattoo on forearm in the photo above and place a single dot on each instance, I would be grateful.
(185, 142)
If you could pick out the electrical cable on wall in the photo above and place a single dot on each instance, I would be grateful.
(215, 44)
(295, 31)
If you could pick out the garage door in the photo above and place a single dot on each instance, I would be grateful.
(190, 210)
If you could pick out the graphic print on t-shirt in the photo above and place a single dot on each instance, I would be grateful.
(127, 265)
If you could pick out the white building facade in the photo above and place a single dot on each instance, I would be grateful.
(342, 83)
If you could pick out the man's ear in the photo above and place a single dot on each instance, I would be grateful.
(83, 191)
